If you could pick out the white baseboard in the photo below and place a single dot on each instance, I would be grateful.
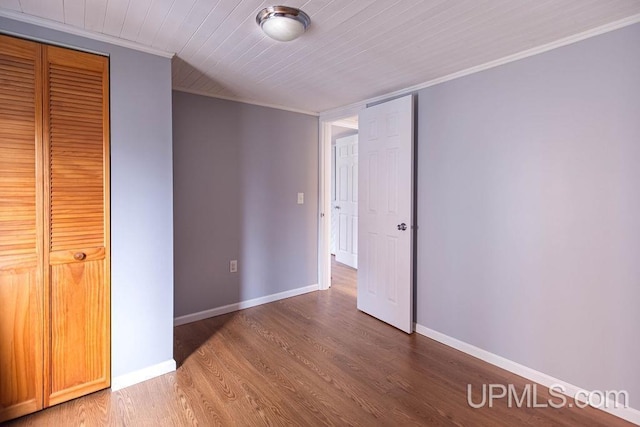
(126, 380)
(194, 317)
(629, 414)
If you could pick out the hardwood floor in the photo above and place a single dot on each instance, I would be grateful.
(311, 360)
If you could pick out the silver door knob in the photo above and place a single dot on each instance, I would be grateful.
(402, 227)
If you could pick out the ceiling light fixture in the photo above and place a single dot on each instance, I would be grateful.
(283, 23)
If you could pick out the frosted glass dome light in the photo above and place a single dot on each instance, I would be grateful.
(283, 23)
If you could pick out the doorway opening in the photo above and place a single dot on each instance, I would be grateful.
(339, 200)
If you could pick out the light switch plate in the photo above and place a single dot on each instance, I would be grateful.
(233, 266)
(300, 198)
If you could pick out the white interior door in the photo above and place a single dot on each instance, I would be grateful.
(346, 205)
(385, 273)
(334, 221)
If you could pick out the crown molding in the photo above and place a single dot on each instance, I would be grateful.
(245, 101)
(59, 26)
(348, 110)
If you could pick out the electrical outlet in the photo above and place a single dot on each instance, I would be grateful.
(233, 266)
(300, 198)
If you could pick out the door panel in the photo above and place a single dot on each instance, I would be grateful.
(76, 137)
(20, 325)
(21, 228)
(369, 257)
(385, 281)
(79, 337)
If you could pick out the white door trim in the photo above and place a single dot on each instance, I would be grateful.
(324, 207)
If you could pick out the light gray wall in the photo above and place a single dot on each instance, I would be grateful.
(141, 200)
(529, 211)
(237, 171)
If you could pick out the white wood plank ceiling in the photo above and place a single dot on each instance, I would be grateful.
(354, 50)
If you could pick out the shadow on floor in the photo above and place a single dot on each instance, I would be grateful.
(190, 337)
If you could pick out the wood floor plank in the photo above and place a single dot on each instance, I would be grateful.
(312, 360)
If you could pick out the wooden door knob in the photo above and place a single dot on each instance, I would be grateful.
(79, 256)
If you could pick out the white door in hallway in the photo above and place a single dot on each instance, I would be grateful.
(385, 236)
(346, 205)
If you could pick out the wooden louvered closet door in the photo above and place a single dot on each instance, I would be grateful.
(76, 136)
(54, 226)
(21, 228)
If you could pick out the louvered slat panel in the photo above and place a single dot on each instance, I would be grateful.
(17, 154)
(77, 181)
